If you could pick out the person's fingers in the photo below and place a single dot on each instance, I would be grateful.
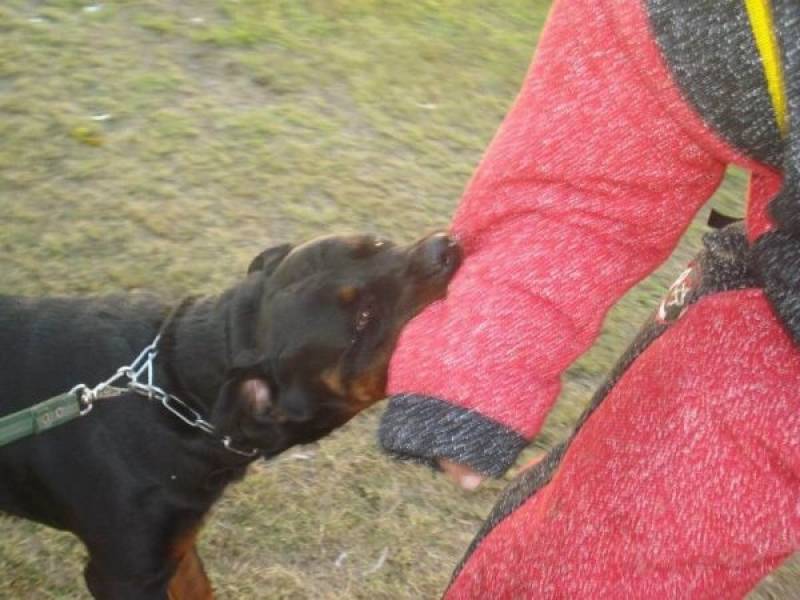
(460, 474)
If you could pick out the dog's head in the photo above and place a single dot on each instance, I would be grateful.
(311, 332)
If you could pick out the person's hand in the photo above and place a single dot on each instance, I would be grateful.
(465, 445)
(460, 474)
(470, 480)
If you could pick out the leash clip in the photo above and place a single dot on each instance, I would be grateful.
(85, 397)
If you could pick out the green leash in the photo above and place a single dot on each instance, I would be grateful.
(75, 403)
(41, 417)
(79, 402)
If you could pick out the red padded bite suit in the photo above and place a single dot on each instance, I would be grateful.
(685, 481)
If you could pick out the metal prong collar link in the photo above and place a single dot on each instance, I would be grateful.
(228, 443)
(142, 365)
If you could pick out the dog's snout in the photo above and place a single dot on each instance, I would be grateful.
(438, 254)
(441, 250)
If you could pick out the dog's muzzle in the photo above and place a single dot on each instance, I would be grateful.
(435, 257)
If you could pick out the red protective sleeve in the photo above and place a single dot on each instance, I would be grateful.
(586, 188)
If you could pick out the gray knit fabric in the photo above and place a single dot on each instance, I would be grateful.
(785, 209)
(421, 428)
(712, 55)
(777, 256)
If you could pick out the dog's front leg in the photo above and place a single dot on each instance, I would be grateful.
(190, 581)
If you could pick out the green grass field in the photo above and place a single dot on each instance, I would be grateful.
(161, 144)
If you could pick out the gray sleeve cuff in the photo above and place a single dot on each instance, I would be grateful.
(422, 428)
(777, 259)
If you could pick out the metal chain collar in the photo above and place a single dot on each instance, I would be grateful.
(144, 364)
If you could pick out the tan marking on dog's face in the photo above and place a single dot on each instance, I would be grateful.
(332, 379)
(369, 387)
(347, 294)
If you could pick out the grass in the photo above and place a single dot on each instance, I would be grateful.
(161, 144)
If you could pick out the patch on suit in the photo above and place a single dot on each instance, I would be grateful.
(679, 295)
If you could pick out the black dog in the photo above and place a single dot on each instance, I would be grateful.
(283, 358)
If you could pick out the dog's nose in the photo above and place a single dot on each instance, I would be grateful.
(438, 254)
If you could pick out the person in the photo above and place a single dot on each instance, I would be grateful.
(684, 481)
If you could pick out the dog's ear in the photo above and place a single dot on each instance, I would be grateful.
(246, 412)
(242, 397)
(255, 396)
(269, 259)
(242, 314)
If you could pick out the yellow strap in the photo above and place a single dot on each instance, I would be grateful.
(760, 13)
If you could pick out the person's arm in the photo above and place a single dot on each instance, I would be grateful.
(586, 188)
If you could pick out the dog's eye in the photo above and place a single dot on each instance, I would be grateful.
(362, 320)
